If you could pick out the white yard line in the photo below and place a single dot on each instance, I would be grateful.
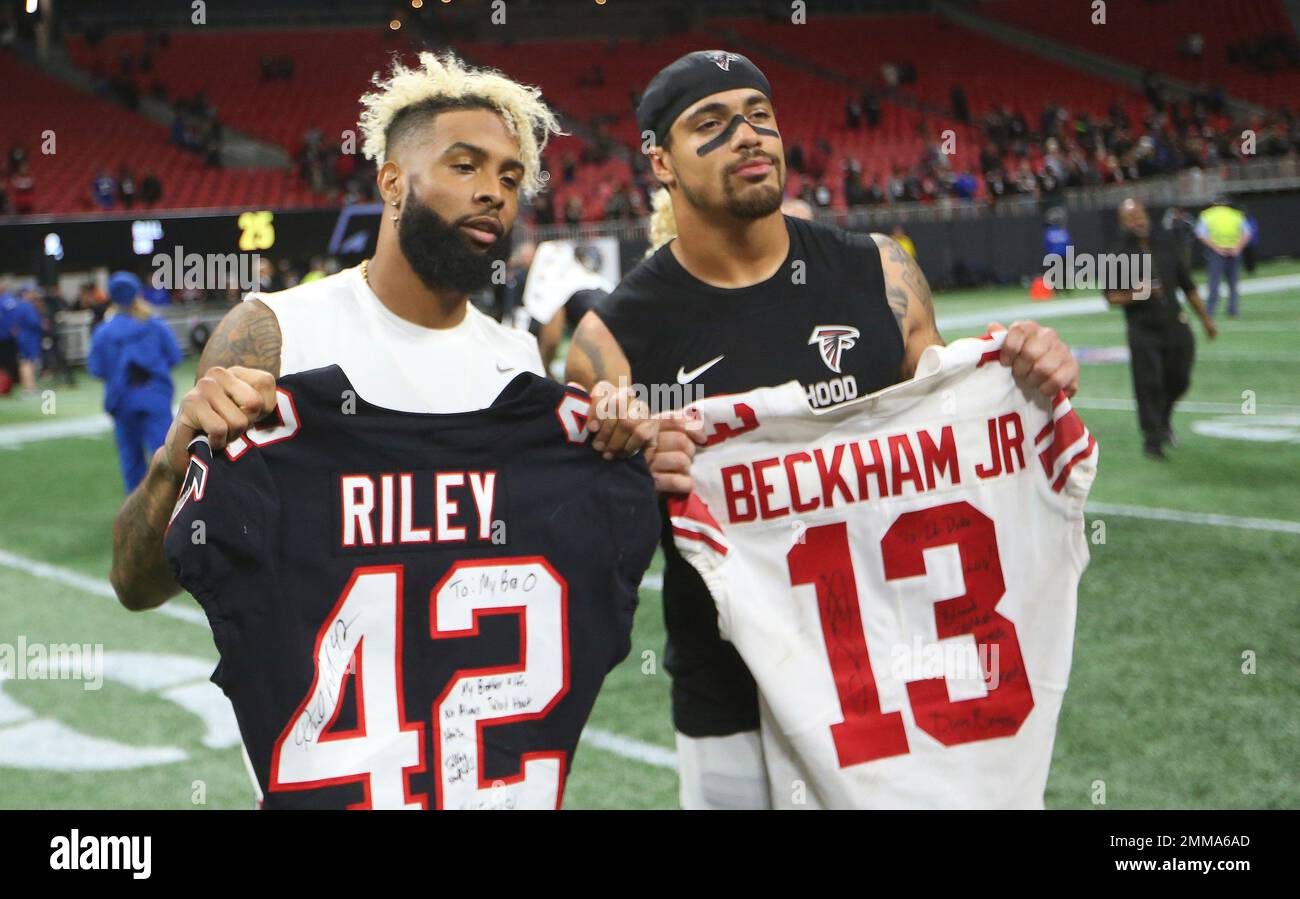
(1201, 356)
(1092, 305)
(1247, 357)
(630, 748)
(16, 436)
(1036, 311)
(1276, 525)
(1116, 328)
(89, 584)
(1127, 405)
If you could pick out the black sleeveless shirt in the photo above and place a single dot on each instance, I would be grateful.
(823, 320)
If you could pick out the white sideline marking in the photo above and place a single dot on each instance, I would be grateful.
(1125, 405)
(1090, 305)
(90, 584)
(630, 748)
(1118, 353)
(1277, 525)
(17, 436)
(1035, 311)
(1248, 357)
(1117, 328)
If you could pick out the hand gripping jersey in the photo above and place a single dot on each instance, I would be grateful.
(899, 573)
(413, 610)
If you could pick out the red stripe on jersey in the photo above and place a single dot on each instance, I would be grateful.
(703, 538)
(1082, 454)
(990, 356)
(1066, 431)
(692, 508)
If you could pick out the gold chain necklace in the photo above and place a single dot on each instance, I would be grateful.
(365, 271)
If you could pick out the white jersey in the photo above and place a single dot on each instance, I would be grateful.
(394, 363)
(899, 573)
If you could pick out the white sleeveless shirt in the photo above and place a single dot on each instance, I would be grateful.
(390, 361)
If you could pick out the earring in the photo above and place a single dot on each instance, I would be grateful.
(394, 217)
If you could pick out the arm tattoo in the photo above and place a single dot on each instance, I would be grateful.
(249, 335)
(904, 283)
(591, 350)
(897, 298)
(140, 569)
(917, 284)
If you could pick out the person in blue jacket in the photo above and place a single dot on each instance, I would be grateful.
(29, 328)
(133, 353)
(8, 341)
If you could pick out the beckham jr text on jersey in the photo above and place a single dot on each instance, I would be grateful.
(900, 576)
(413, 610)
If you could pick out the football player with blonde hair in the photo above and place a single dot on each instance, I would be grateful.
(457, 148)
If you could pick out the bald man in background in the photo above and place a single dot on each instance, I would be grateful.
(1161, 345)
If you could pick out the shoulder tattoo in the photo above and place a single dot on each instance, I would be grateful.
(249, 335)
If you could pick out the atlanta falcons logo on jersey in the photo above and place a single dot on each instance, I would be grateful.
(833, 340)
(724, 60)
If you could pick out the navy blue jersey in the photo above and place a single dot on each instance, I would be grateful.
(413, 610)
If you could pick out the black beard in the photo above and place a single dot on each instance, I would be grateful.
(441, 255)
(755, 204)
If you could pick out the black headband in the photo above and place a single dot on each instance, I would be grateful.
(690, 78)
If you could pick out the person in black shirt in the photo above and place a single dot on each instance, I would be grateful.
(1160, 341)
(739, 296)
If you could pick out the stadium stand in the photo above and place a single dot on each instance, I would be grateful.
(92, 133)
(1141, 34)
(597, 172)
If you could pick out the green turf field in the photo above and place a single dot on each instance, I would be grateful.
(1159, 712)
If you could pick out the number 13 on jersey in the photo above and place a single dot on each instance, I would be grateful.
(823, 560)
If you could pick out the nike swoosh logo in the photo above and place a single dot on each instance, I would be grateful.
(504, 370)
(686, 377)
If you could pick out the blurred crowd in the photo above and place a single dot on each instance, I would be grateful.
(1037, 153)
(35, 319)
(1057, 150)
(119, 188)
(347, 177)
(31, 339)
(1019, 155)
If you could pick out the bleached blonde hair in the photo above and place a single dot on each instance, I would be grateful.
(663, 223)
(447, 78)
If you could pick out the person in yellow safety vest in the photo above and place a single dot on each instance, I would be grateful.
(901, 238)
(1225, 233)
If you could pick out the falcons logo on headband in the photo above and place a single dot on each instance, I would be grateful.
(833, 340)
(723, 60)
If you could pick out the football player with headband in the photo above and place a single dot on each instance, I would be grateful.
(740, 296)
